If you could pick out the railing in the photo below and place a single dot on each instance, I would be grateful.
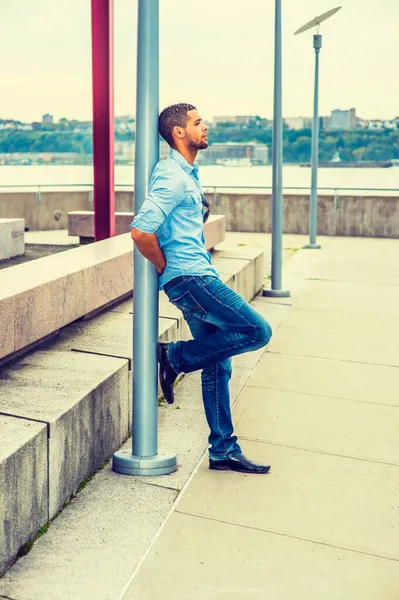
(58, 186)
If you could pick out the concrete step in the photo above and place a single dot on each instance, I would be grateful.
(74, 407)
(79, 388)
(23, 484)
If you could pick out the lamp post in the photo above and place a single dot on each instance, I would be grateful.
(317, 43)
(144, 458)
(276, 290)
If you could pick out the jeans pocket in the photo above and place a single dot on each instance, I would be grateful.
(188, 305)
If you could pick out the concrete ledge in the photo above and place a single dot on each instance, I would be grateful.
(40, 297)
(12, 241)
(82, 400)
(23, 484)
(81, 223)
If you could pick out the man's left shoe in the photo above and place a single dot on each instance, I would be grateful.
(167, 375)
(238, 463)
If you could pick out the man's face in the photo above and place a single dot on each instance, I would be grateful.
(196, 131)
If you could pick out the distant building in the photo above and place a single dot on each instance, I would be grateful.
(260, 154)
(362, 123)
(343, 119)
(124, 118)
(239, 153)
(376, 124)
(238, 120)
(124, 150)
(8, 125)
(324, 122)
(298, 122)
(47, 119)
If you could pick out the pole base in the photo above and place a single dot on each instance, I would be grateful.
(276, 293)
(312, 247)
(125, 463)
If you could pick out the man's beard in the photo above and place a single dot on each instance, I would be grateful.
(201, 145)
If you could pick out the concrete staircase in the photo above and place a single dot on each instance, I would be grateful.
(66, 405)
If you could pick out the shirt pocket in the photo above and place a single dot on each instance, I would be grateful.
(192, 199)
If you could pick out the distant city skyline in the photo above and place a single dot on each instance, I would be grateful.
(50, 119)
(213, 55)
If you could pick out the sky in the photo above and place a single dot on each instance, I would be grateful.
(215, 54)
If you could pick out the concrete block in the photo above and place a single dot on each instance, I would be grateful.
(53, 291)
(82, 398)
(214, 230)
(81, 223)
(243, 282)
(257, 257)
(23, 484)
(12, 241)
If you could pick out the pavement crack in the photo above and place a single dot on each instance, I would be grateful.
(317, 451)
(278, 389)
(289, 535)
(345, 360)
(164, 487)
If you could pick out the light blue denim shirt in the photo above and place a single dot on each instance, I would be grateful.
(173, 211)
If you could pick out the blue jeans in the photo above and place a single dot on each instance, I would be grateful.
(222, 325)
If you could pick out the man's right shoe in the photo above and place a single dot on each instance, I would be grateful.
(167, 375)
(239, 463)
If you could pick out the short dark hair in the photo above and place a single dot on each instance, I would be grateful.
(173, 116)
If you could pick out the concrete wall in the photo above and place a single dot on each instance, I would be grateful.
(368, 216)
(50, 209)
(12, 242)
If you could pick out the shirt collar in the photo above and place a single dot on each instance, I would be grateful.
(190, 169)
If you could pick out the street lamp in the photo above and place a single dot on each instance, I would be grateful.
(277, 182)
(317, 40)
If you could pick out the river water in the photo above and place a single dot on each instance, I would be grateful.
(246, 177)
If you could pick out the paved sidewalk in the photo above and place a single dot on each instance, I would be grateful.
(322, 406)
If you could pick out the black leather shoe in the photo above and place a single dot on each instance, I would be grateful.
(238, 463)
(167, 375)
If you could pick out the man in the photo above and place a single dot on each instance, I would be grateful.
(168, 231)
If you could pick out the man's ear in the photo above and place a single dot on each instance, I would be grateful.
(178, 131)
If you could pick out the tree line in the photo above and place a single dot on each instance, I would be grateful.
(352, 145)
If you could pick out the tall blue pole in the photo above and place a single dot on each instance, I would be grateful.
(276, 290)
(144, 459)
(317, 40)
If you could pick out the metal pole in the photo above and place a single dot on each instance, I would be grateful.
(144, 459)
(277, 178)
(102, 17)
(317, 40)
